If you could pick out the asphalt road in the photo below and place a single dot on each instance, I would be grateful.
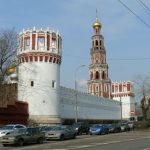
(134, 140)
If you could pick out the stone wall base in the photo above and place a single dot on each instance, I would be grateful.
(44, 120)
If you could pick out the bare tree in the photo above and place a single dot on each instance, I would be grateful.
(143, 92)
(8, 49)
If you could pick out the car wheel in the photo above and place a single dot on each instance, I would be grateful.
(5, 145)
(87, 132)
(20, 142)
(74, 136)
(62, 137)
(40, 141)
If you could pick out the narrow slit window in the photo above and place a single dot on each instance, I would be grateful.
(53, 84)
(32, 83)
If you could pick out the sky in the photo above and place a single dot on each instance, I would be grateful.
(126, 38)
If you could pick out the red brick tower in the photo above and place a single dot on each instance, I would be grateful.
(99, 83)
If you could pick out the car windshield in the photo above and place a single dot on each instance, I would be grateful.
(59, 128)
(96, 126)
(18, 131)
(7, 127)
(49, 128)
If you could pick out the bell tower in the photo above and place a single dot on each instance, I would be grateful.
(99, 83)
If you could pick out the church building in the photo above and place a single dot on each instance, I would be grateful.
(99, 83)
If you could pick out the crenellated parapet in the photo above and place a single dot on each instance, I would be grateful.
(40, 40)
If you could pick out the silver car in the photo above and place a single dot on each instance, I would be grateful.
(7, 129)
(61, 132)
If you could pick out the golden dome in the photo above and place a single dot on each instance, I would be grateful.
(10, 70)
(97, 24)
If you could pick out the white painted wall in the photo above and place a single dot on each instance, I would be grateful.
(42, 98)
(128, 105)
(89, 107)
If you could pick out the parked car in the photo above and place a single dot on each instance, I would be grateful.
(7, 129)
(20, 137)
(60, 132)
(99, 129)
(124, 127)
(131, 125)
(81, 128)
(114, 128)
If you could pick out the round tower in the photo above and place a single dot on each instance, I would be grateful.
(39, 73)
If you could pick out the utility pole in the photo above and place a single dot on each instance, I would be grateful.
(120, 109)
(76, 100)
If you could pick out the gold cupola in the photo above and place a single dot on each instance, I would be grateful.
(11, 70)
(97, 24)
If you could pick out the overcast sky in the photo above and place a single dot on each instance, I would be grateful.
(126, 38)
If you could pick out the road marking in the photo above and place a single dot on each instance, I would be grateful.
(146, 149)
(81, 146)
(57, 149)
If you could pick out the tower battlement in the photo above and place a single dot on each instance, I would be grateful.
(40, 40)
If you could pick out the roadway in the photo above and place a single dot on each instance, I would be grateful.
(133, 140)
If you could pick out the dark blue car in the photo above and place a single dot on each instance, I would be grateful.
(99, 129)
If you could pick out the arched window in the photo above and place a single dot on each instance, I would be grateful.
(96, 88)
(97, 75)
(105, 88)
(96, 43)
(124, 88)
(100, 42)
(91, 76)
(103, 75)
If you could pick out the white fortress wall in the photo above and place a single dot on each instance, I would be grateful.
(89, 107)
(42, 93)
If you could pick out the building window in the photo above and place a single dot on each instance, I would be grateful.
(53, 84)
(105, 88)
(32, 83)
(97, 89)
(116, 88)
(96, 43)
(27, 43)
(124, 88)
(97, 75)
(91, 76)
(40, 43)
(103, 75)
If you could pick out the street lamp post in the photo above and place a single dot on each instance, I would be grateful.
(76, 101)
